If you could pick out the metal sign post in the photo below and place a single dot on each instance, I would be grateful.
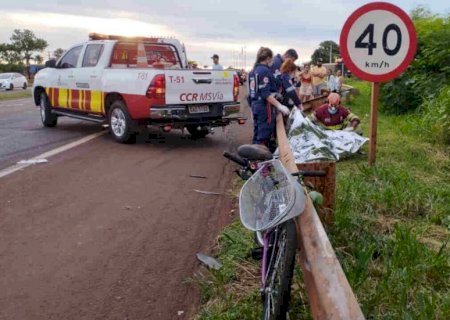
(378, 42)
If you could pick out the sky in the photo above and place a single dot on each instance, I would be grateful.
(224, 27)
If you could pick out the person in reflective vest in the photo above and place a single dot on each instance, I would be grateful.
(333, 116)
(290, 54)
(288, 90)
(262, 91)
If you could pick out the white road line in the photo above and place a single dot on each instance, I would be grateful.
(48, 154)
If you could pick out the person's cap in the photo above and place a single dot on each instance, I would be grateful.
(215, 56)
(291, 53)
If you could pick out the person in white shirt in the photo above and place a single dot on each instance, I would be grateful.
(332, 82)
(216, 65)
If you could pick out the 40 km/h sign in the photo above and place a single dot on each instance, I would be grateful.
(378, 42)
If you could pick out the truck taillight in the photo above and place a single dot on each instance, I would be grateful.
(157, 88)
(236, 88)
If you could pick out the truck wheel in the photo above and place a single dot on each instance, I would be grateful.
(196, 134)
(120, 123)
(47, 117)
(24, 87)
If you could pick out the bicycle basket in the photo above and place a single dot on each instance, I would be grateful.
(270, 197)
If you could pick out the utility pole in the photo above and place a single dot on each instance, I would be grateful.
(331, 48)
(244, 49)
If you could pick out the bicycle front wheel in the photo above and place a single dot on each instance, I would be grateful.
(280, 269)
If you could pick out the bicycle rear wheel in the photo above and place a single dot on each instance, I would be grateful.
(277, 291)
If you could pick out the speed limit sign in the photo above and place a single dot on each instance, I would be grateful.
(378, 42)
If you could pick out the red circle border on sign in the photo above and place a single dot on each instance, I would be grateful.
(412, 43)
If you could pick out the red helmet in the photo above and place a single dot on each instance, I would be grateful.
(334, 98)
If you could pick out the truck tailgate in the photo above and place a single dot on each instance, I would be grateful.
(198, 86)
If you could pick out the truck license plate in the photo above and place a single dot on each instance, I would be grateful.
(198, 109)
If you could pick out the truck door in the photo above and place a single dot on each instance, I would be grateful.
(63, 81)
(87, 95)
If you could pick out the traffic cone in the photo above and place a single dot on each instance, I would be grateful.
(141, 56)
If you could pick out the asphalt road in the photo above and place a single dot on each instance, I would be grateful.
(22, 135)
(106, 230)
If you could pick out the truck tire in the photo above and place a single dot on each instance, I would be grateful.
(47, 117)
(197, 134)
(120, 123)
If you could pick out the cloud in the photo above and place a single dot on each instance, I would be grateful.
(206, 27)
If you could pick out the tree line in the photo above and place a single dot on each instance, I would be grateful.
(24, 47)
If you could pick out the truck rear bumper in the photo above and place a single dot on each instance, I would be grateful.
(179, 116)
(183, 113)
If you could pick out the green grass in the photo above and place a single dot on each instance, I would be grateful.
(392, 221)
(15, 95)
(391, 231)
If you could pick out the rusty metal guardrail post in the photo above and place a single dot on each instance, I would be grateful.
(329, 292)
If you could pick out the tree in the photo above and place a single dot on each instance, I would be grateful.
(323, 51)
(9, 54)
(58, 53)
(38, 59)
(26, 43)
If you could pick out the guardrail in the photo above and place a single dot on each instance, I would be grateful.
(329, 292)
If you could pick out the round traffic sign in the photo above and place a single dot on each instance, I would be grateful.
(378, 42)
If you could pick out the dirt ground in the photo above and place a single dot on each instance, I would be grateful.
(110, 231)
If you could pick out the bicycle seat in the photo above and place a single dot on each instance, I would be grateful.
(255, 152)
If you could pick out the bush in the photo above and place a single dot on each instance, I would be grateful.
(436, 116)
(429, 71)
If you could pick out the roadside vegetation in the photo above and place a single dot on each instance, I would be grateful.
(15, 95)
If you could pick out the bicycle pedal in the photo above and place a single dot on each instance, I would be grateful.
(257, 253)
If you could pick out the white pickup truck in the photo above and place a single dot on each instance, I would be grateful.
(130, 82)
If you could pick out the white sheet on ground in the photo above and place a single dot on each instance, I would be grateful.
(310, 142)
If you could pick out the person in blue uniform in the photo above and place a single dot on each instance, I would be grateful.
(262, 91)
(288, 90)
(290, 54)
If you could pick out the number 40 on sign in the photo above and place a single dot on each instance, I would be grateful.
(378, 42)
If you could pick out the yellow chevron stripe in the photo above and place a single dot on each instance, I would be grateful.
(69, 99)
(96, 101)
(62, 98)
(80, 99)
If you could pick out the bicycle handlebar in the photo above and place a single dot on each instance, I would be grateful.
(313, 173)
(235, 158)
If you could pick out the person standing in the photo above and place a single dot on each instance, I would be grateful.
(262, 89)
(306, 85)
(216, 65)
(318, 74)
(332, 85)
(339, 80)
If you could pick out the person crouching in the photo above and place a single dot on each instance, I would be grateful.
(333, 116)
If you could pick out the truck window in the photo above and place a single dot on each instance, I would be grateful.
(138, 55)
(70, 58)
(92, 55)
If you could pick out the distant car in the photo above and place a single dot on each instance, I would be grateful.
(9, 81)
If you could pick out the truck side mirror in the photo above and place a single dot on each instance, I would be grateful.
(50, 63)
